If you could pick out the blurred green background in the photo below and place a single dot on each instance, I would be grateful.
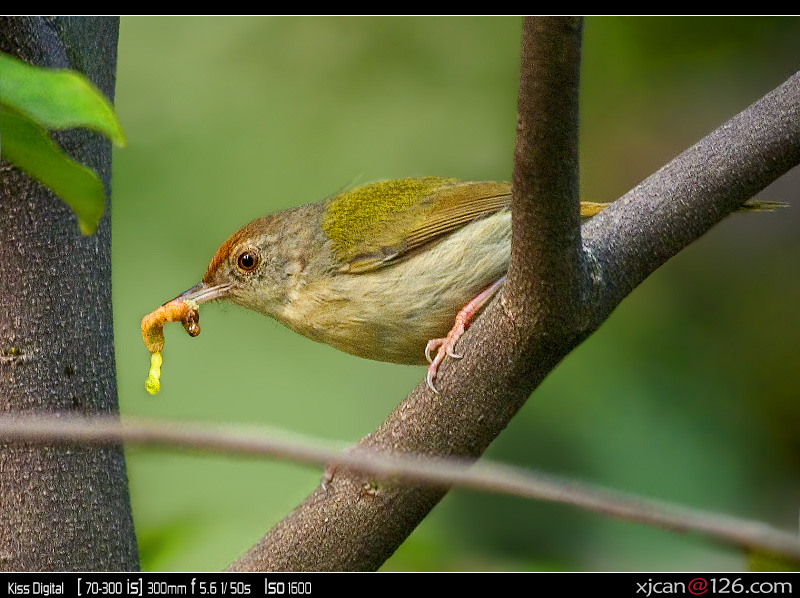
(688, 393)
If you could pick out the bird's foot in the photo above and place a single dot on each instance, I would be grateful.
(446, 346)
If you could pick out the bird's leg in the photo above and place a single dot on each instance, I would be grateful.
(447, 344)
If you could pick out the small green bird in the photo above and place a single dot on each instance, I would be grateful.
(380, 271)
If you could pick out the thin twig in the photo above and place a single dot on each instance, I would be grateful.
(439, 471)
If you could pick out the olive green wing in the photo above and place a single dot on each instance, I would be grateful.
(380, 223)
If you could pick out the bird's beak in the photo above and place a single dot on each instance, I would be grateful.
(203, 293)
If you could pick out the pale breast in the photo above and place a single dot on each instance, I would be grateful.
(389, 314)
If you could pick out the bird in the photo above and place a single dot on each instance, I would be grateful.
(390, 270)
(380, 271)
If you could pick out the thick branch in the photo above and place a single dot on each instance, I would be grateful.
(61, 508)
(675, 206)
(542, 281)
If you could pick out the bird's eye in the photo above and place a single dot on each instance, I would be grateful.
(247, 261)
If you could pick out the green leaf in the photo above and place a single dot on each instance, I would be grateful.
(34, 100)
(28, 145)
(57, 98)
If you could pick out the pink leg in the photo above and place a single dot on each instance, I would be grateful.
(447, 344)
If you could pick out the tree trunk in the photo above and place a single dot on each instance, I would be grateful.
(61, 507)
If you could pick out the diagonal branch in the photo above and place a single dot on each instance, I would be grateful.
(633, 237)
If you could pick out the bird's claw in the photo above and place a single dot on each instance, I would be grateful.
(446, 346)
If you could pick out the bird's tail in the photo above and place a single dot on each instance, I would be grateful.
(592, 208)
(762, 206)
